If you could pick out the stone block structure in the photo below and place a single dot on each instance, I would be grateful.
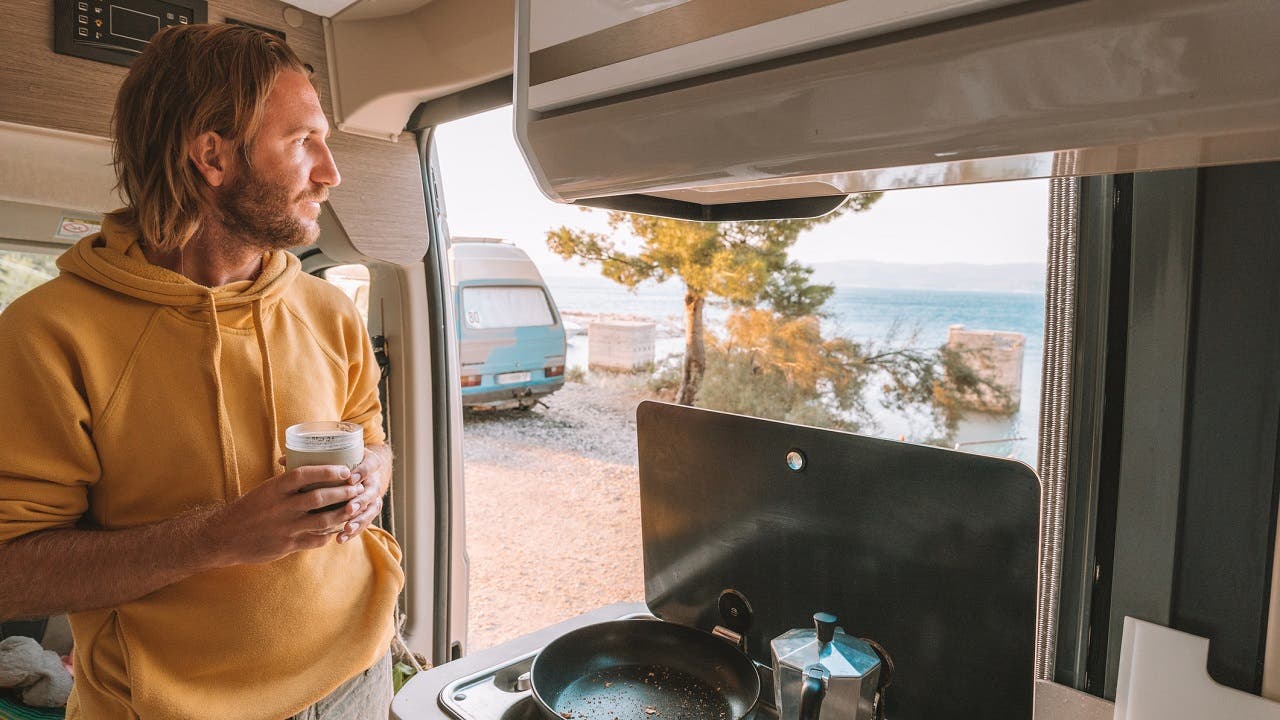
(996, 357)
(620, 345)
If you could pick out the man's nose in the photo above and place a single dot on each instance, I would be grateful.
(326, 172)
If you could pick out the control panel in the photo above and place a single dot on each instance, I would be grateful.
(116, 31)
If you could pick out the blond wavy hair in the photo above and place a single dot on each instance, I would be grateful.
(190, 79)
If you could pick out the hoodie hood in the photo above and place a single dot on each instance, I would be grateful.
(114, 260)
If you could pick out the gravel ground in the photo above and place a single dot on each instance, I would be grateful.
(552, 508)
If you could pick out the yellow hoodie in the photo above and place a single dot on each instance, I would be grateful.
(126, 405)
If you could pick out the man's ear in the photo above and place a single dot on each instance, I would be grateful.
(210, 153)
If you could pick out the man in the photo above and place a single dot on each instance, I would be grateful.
(147, 391)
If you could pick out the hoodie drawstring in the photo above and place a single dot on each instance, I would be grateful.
(268, 385)
(114, 259)
(231, 473)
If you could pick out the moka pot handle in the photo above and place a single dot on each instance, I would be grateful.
(815, 689)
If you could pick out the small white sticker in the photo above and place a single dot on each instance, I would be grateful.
(473, 318)
(76, 228)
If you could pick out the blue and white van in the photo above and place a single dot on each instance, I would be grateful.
(511, 339)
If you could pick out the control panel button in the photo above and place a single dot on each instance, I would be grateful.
(83, 19)
(82, 32)
(82, 6)
(182, 19)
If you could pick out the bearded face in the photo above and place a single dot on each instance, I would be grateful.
(273, 202)
(266, 214)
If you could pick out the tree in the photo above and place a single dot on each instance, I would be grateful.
(770, 365)
(744, 263)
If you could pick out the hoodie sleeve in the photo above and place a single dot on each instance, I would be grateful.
(362, 404)
(47, 457)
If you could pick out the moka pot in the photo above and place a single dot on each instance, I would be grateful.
(824, 673)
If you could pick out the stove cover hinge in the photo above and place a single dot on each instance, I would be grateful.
(725, 633)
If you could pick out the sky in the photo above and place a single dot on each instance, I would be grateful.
(489, 193)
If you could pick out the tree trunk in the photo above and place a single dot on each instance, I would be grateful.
(695, 348)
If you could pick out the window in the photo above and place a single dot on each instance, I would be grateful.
(354, 281)
(21, 271)
(924, 284)
(484, 308)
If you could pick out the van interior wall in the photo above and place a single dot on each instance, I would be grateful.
(380, 202)
(391, 56)
(1232, 443)
(1198, 480)
(32, 225)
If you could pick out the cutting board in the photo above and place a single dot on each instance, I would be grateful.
(1163, 677)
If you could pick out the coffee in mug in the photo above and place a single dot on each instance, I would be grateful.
(323, 443)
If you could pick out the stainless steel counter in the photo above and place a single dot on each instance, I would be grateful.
(1059, 702)
(420, 697)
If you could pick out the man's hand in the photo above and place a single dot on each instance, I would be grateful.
(374, 472)
(73, 570)
(276, 518)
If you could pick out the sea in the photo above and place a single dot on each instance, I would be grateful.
(889, 317)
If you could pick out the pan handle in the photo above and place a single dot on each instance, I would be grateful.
(815, 688)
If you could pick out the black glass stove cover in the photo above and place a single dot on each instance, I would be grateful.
(932, 553)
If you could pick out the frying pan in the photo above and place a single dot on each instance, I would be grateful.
(643, 670)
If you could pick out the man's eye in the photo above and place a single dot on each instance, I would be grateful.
(302, 140)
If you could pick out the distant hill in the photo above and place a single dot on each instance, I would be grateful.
(1012, 277)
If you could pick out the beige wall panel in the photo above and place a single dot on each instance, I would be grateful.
(388, 63)
(53, 168)
(380, 201)
(40, 87)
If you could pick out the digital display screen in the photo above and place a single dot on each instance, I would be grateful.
(132, 24)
